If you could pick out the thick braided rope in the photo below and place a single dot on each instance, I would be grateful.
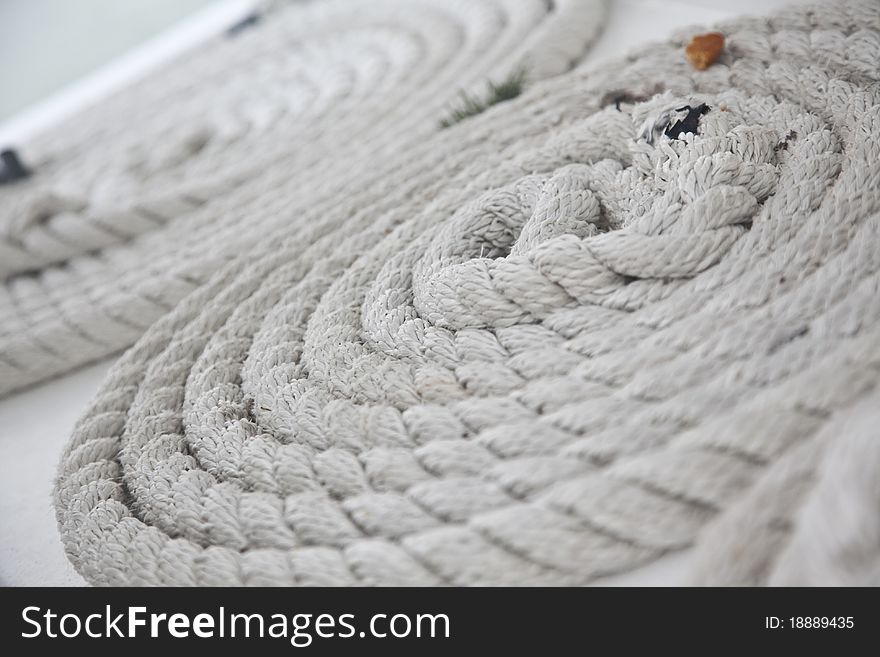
(139, 200)
(548, 353)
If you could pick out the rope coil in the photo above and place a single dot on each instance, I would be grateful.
(549, 352)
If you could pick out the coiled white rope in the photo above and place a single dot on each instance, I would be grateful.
(533, 349)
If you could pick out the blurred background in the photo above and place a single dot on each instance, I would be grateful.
(58, 56)
(49, 47)
(47, 44)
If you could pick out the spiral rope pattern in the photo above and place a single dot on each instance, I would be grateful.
(549, 352)
(144, 197)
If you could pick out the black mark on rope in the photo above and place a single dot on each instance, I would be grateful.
(247, 22)
(787, 338)
(621, 98)
(783, 145)
(690, 123)
(11, 167)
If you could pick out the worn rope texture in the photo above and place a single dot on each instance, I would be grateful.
(547, 353)
(136, 202)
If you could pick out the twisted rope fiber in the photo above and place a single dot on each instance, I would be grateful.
(551, 353)
(286, 119)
